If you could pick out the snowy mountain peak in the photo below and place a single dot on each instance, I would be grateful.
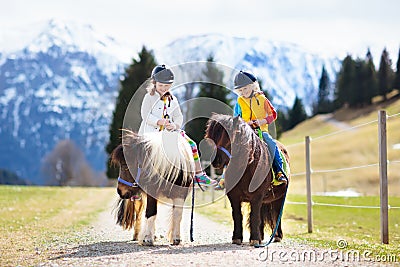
(71, 36)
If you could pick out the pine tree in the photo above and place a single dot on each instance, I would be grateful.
(396, 81)
(135, 75)
(324, 104)
(358, 95)
(345, 83)
(370, 82)
(385, 74)
(297, 114)
(196, 127)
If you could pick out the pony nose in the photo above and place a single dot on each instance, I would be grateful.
(119, 192)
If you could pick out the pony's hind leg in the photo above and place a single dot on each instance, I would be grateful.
(174, 232)
(277, 205)
(273, 209)
(255, 221)
(146, 236)
(264, 220)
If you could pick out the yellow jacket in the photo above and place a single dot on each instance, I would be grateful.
(256, 107)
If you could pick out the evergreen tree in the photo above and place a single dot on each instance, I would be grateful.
(370, 82)
(282, 123)
(345, 83)
(297, 114)
(135, 75)
(196, 127)
(385, 74)
(324, 104)
(359, 93)
(396, 81)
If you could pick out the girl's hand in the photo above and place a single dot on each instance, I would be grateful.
(170, 126)
(163, 122)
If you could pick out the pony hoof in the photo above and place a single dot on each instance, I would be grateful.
(254, 242)
(277, 239)
(176, 242)
(147, 243)
(237, 241)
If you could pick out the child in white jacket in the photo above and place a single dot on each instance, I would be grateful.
(161, 111)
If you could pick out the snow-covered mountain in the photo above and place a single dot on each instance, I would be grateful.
(59, 80)
(285, 69)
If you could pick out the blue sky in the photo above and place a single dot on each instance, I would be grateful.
(329, 27)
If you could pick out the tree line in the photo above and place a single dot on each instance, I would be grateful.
(358, 83)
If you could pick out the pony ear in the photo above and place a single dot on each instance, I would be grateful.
(117, 155)
(235, 120)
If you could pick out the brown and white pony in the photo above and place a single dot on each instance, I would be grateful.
(159, 166)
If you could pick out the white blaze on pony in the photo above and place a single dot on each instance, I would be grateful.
(156, 165)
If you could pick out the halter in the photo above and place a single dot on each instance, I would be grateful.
(134, 184)
(223, 149)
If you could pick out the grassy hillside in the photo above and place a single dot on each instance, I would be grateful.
(353, 142)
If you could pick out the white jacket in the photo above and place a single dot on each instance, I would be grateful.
(152, 111)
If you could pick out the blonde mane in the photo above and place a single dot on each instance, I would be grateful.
(167, 154)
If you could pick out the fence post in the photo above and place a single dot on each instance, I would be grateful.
(308, 181)
(383, 176)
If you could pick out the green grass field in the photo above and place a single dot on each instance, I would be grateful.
(360, 228)
(33, 219)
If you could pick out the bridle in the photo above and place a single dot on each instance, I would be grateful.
(135, 183)
(223, 149)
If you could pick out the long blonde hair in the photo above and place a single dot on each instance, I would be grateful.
(151, 87)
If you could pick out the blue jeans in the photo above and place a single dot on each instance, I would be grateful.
(277, 163)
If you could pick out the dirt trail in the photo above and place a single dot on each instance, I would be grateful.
(106, 244)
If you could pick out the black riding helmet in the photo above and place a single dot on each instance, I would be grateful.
(243, 78)
(162, 74)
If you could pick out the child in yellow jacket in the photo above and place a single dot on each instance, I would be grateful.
(258, 112)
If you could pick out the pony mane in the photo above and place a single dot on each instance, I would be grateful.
(244, 140)
(165, 154)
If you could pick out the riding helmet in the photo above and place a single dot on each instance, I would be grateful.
(162, 74)
(243, 78)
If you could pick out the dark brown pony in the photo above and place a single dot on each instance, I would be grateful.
(248, 176)
(156, 165)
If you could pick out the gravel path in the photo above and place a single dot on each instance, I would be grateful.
(106, 244)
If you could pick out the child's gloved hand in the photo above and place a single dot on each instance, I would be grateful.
(255, 124)
(170, 126)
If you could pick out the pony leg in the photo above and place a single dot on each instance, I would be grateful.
(263, 217)
(138, 220)
(174, 232)
(237, 217)
(276, 209)
(146, 236)
(255, 221)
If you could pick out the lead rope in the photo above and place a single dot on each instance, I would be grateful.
(277, 222)
(271, 238)
(164, 113)
(192, 214)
